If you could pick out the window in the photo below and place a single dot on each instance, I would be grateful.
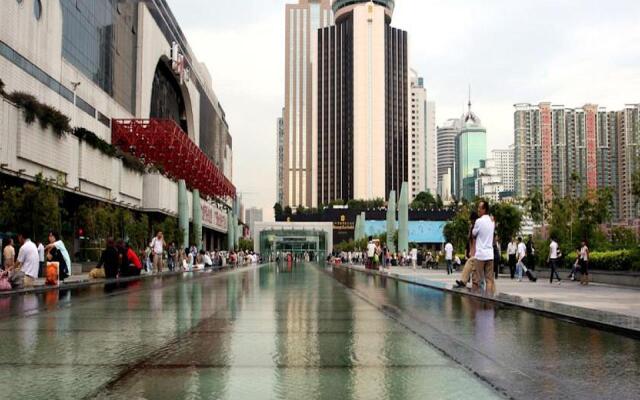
(37, 9)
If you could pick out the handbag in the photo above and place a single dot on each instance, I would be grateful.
(16, 280)
(4, 283)
(52, 273)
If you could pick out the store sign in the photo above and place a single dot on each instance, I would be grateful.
(213, 217)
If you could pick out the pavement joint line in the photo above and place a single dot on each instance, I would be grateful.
(631, 328)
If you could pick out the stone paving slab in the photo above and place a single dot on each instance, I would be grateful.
(614, 306)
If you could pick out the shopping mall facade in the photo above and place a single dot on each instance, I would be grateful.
(124, 71)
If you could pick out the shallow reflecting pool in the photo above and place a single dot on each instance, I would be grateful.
(302, 332)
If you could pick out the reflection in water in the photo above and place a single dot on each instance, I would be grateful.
(295, 333)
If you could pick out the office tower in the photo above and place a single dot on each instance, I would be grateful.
(505, 165)
(471, 148)
(302, 23)
(627, 123)
(362, 114)
(447, 135)
(280, 162)
(423, 162)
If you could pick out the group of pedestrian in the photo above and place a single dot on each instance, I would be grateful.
(23, 267)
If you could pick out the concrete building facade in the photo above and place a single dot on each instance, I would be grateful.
(562, 151)
(423, 155)
(504, 163)
(100, 64)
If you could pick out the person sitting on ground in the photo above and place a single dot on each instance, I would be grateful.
(57, 252)
(206, 259)
(110, 260)
(131, 264)
(9, 255)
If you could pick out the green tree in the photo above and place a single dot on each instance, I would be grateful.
(456, 231)
(535, 206)
(245, 244)
(424, 201)
(288, 212)
(279, 212)
(508, 221)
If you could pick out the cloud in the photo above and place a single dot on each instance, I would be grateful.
(566, 51)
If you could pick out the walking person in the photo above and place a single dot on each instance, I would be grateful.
(554, 256)
(483, 232)
(28, 260)
(522, 257)
(171, 257)
(531, 254)
(584, 264)
(9, 255)
(157, 247)
(497, 257)
(448, 256)
(371, 252)
(512, 250)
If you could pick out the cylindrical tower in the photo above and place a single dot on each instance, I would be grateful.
(343, 7)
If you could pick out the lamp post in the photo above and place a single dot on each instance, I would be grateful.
(75, 89)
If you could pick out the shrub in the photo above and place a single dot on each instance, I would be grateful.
(617, 260)
(47, 115)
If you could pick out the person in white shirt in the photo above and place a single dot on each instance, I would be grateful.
(512, 251)
(584, 263)
(448, 256)
(414, 258)
(484, 231)
(522, 255)
(40, 248)
(371, 252)
(157, 247)
(28, 260)
(554, 255)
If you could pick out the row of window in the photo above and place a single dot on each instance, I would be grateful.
(27, 66)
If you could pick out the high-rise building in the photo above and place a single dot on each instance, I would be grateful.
(447, 135)
(471, 148)
(252, 215)
(280, 162)
(562, 151)
(503, 160)
(363, 103)
(423, 162)
(302, 23)
(487, 180)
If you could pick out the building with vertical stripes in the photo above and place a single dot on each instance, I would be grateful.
(363, 103)
(301, 32)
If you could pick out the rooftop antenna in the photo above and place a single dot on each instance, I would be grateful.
(469, 98)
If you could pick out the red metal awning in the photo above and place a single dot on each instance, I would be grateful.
(161, 142)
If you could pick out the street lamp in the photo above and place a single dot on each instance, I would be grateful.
(75, 88)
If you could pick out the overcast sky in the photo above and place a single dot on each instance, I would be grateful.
(568, 52)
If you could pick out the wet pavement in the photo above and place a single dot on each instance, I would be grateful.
(303, 332)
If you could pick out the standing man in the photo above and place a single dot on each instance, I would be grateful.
(448, 256)
(172, 253)
(484, 231)
(512, 250)
(9, 254)
(371, 252)
(41, 255)
(28, 260)
(554, 255)
(414, 258)
(157, 248)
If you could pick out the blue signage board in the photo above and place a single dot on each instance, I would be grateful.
(431, 232)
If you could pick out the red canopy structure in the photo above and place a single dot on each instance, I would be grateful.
(162, 143)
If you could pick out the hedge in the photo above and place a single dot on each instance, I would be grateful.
(617, 260)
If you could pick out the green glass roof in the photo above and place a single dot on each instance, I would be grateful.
(338, 4)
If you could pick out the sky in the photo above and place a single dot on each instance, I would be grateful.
(569, 52)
